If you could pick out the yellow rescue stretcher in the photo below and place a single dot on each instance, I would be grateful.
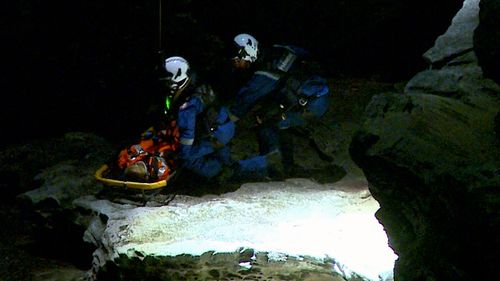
(100, 175)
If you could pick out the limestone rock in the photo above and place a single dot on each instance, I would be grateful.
(458, 38)
(432, 158)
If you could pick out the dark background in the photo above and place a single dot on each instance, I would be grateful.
(93, 65)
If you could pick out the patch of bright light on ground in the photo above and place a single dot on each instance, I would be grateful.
(295, 218)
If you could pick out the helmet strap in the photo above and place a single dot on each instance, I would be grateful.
(179, 91)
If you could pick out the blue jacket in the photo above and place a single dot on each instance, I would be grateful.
(273, 82)
(304, 97)
(195, 142)
(273, 67)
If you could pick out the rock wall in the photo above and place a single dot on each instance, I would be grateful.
(431, 155)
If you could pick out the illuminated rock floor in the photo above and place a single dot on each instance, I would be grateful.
(279, 222)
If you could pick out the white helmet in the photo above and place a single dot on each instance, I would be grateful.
(177, 72)
(248, 47)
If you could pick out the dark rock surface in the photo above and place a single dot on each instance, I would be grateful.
(221, 266)
(487, 39)
(436, 178)
(431, 156)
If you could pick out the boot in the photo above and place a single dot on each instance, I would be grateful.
(275, 165)
(295, 171)
(227, 174)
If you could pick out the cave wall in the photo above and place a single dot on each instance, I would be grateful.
(431, 155)
(381, 38)
(92, 66)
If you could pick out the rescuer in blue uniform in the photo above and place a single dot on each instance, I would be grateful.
(286, 91)
(205, 129)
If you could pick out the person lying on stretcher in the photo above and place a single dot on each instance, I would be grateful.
(152, 159)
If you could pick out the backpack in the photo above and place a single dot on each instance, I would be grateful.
(301, 74)
(299, 90)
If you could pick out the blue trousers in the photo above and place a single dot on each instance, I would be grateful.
(210, 165)
(270, 139)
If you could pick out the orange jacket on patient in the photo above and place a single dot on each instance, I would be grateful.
(152, 158)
